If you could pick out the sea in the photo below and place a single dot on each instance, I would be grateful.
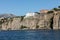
(30, 35)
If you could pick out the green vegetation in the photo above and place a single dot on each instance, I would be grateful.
(58, 6)
(50, 11)
(37, 26)
(22, 17)
(0, 22)
(11, 19)
(22, 27)
(57, 9)
(6, 20)
(37, 12)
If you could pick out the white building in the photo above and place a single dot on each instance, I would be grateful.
(30, 14)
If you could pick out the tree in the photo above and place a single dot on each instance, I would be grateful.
(50, 12)
(55, 9)
(58, 6)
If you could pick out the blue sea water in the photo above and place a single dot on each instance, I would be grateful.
(30, 35)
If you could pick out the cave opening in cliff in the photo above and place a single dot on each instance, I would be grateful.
(51, 23)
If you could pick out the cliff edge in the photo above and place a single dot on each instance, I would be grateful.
(45, 19)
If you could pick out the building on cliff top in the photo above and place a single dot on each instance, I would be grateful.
(44, 11)
(30, 14)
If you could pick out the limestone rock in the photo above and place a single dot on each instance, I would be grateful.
(48, 20)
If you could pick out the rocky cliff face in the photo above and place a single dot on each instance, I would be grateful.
(47, 20)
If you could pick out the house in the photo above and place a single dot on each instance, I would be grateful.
(44, 11)
(30, 15)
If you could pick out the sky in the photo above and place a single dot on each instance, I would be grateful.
(21, 7)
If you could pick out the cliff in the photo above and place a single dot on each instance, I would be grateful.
(45, 19)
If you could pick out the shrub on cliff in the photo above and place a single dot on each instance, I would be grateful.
(37, 26)
(56, 9)
(50, 12)
(0, 22)
(58, 6)
(22, 17)
(37, 12)
(22, 27)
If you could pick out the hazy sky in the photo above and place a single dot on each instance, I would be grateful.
(21, 7)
